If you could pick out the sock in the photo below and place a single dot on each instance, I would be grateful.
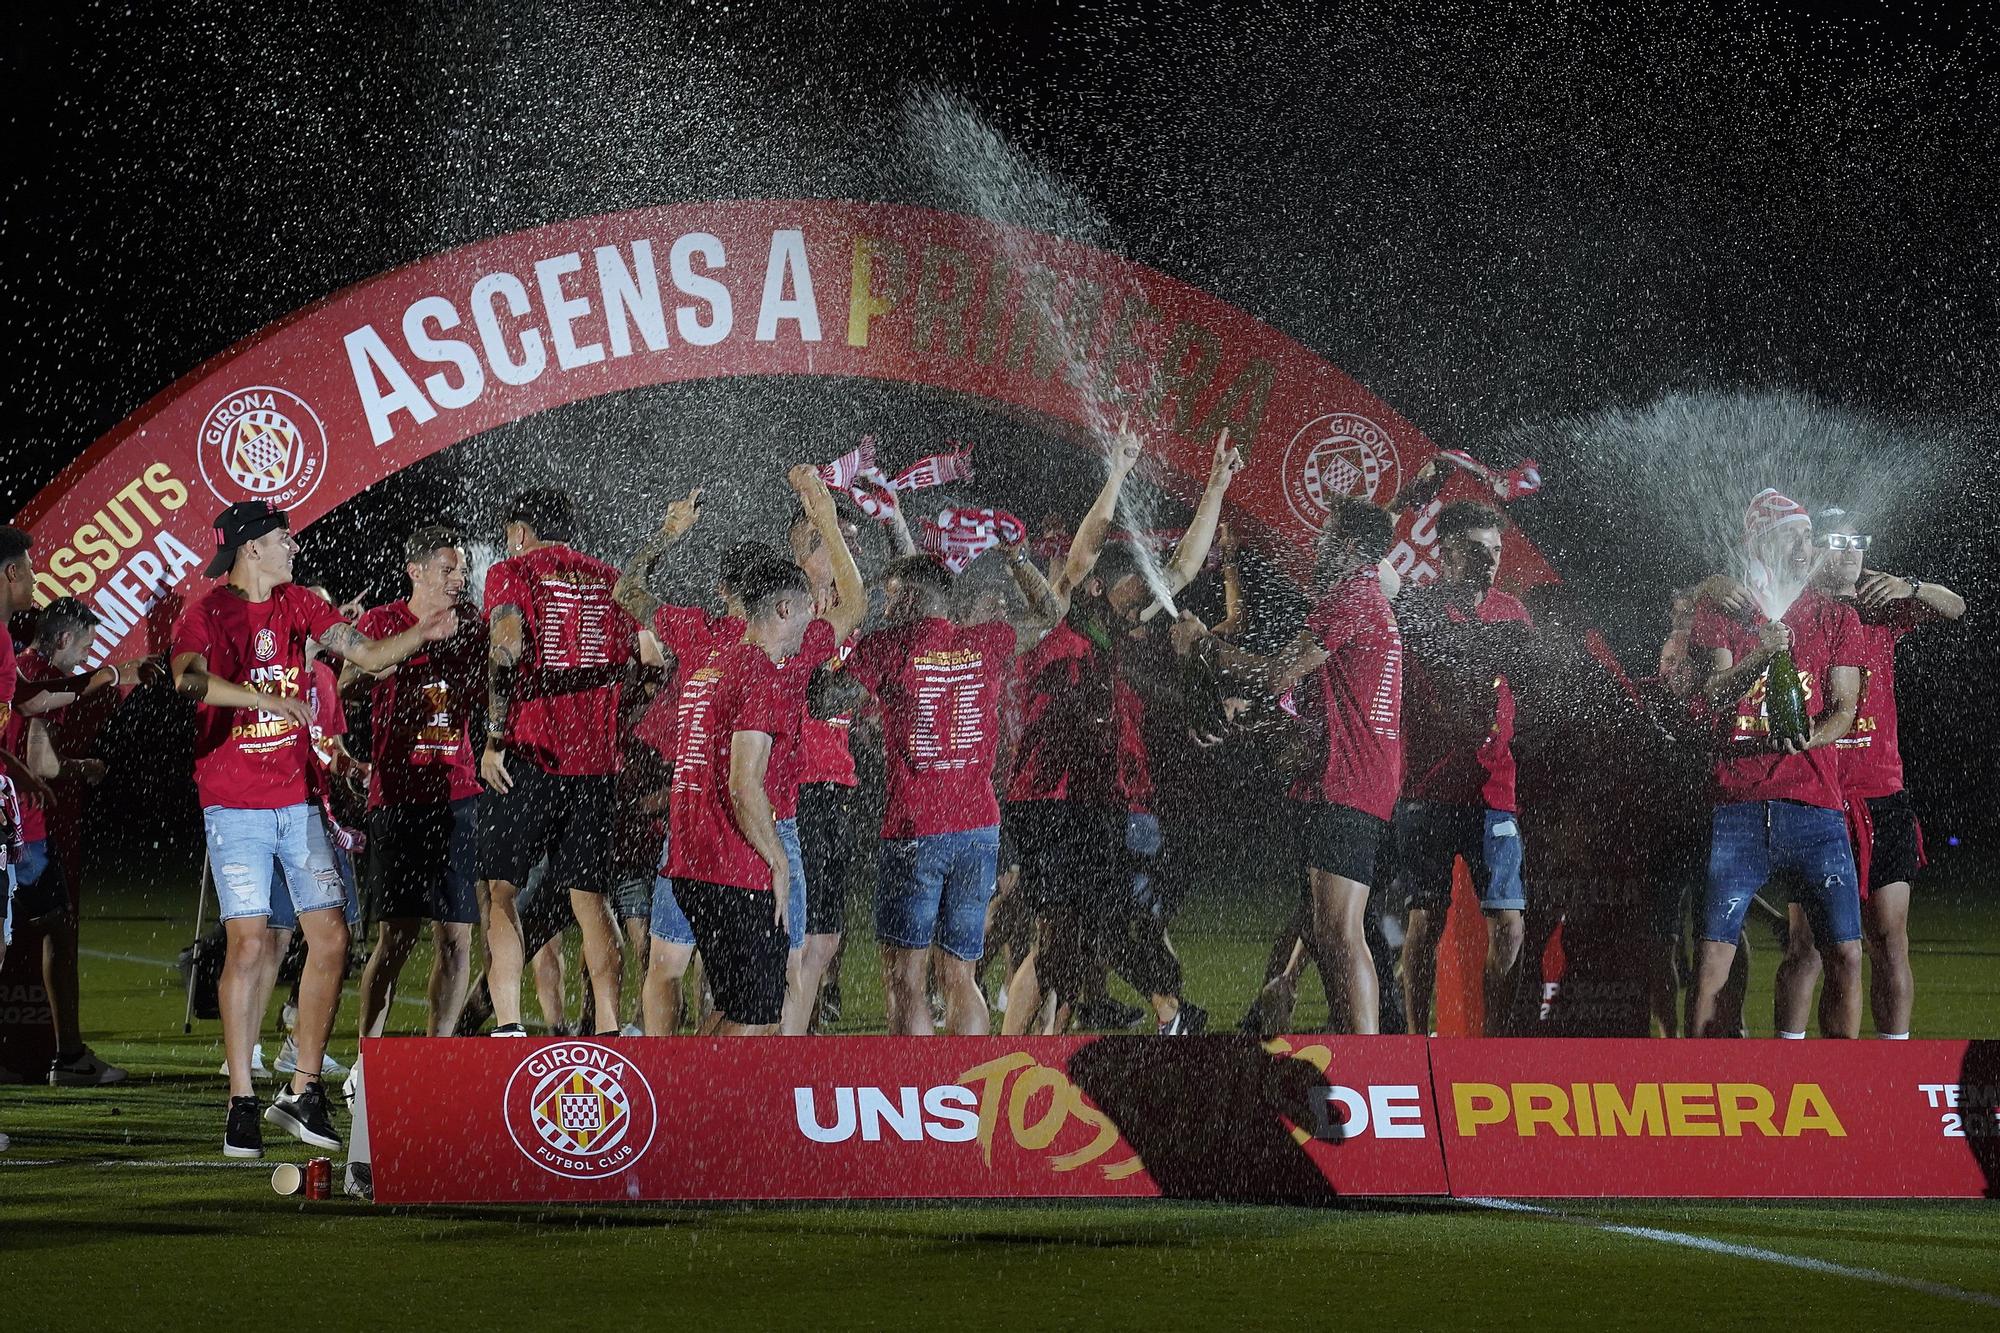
(1792, 1036)
(1892, 1036)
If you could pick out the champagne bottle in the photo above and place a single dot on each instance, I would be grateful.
(1785, 701)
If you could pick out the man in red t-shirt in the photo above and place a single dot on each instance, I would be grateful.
(423, 789)
(1458, 774)
(239, 653)
(939, 685)
(558, 649)
(1779, 808)
(53, 687)
(731, 873)
(1080, 766)
(1888, 843)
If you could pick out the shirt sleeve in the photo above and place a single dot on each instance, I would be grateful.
(869, 660)
(761, 699)
(1709, 630)
(503, 589)
(818, 647)
(1846, 648)
(373, 624)
(327, 712)
(1336, 621)
(316, 615)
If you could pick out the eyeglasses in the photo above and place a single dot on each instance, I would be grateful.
(1844, 541)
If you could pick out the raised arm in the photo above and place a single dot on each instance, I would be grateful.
(191, 678)
(1096, 524)
(634, 589)
(1929, 601)
(1234, 615)
(1192, 551)
(850, 597)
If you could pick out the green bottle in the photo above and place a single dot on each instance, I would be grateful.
(1785, 701)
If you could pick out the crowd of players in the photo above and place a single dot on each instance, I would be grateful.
(678, 782)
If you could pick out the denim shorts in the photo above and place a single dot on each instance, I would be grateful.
(248, 849)
(934, 890)
(1754, 842)
(670, 924)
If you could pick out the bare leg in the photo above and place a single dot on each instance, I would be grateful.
(549, 986)
(796, 1014)
(504, 959)
(1711, 975)
(1729, 1006)
(813, 963)
(59, 977)
(242, 995)
(1340, 906)
(1798, 973)
(1420, 943)
(903, 976)
(1840, 1001)
(319, 988)
(964, 1003)
(1024, 998)
(661, 993)
(1503, 968)
(451, 975)
(394, 939)
(1663, 985)
(641, 955)
(1885, 928)
(602, 956)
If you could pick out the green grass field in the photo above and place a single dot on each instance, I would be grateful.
(116, 1202)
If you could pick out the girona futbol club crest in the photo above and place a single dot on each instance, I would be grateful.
(262, 443)
(581, 1110)
(266, 644)
(1336, 454)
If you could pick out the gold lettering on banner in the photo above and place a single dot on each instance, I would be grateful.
(1037, 1130)
(876, 287)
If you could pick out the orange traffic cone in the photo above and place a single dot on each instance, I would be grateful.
(1461, 962)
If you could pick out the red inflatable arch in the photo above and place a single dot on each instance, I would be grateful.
(317, 407)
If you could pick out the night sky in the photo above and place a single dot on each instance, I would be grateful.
(1499, 219)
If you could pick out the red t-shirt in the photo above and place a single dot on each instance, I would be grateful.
(572, 626)
(1440, 766)
(737, 689)
(690, 634)
(1067, 747)
(781, 780)
(940, 686)
(9, 802)
(1361, 685)
(1871, 758)
(245, 759)
(420, 714)
(33, 821)
(1825, 635)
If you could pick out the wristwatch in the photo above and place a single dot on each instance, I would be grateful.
(1916, 586)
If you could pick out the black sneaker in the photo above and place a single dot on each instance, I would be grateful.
(829, 1003)
(305, 1115)
(1191, 1020)
(478, 1008)
(359, 1181)
(509, 1030)
(1105, 1014)
(245, 1135)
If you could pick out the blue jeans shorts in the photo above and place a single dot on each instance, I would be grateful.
(934, 890)
(670, 924)
(1430, 835)
(1753, 842)
(248, 849)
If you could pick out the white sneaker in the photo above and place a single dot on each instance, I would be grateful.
(4, 1142)
(350, 1085)
(999, 1005)
(288, 1061)
(631, 1030)
(257, 1069)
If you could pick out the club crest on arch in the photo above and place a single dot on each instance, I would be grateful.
(1336, 454)
(262, 443)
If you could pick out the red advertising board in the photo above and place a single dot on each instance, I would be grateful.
(1712, 1119)
(1303, 1119)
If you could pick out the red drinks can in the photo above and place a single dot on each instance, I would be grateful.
(319, 1178)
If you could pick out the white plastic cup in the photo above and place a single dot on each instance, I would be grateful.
(288, 1179)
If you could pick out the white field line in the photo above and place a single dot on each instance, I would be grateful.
(1709, 1246)
(135, 1162)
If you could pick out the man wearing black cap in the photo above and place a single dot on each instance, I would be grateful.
(239, 653)
(559, 644)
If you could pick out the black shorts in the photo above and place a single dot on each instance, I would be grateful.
(564, 818)
(742, 947)
(1431, 835)
(826, 847)
(1070, 853)
(1898, 851)
(420, 861)
(1340, 840)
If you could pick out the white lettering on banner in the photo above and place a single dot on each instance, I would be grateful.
(564, 311)
(946, 1114)
(494, 340)
(787, 267)
(130, 592)
(510, 340)
(1393, 1111)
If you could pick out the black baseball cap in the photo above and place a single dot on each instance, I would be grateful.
(244, 521)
